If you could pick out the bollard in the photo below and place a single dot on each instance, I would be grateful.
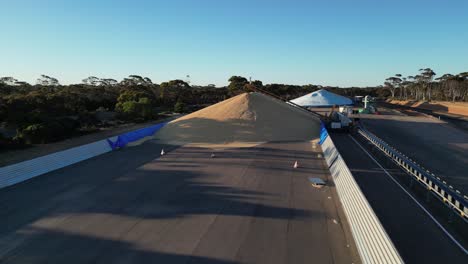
(296, 165)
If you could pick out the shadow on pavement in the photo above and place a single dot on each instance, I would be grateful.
(82, 208)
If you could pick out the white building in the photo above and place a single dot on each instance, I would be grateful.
(322, 98)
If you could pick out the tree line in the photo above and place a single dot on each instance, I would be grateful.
(48, 111)
(425, 87)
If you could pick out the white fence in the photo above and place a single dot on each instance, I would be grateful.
(25, 170)
(373, 243)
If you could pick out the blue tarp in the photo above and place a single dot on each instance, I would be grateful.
(124, 139)
(323, 132)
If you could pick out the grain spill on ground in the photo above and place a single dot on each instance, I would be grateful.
(243, 120)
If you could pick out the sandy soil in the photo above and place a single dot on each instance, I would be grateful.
(457, 108)
(245, 120)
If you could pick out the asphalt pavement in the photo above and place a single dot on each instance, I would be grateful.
(417, 238)
(436, 145)
(132, 206)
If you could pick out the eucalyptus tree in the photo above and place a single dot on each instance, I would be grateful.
(109, 82)
(464, 84)
(95, 81)
(400, 85)
(136, 80)
(92, 80)
(420, 93)
(405, 84)
(447, 85)
(237, 84)
(411, 86)
(393, 83)
(45, 80)
(427, 76)
(8, 80)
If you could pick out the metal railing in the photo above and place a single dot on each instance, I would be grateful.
(451, 197)
(372, 241)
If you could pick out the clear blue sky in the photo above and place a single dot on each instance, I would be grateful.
(329, 42)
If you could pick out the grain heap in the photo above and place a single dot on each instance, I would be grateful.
(243, 119)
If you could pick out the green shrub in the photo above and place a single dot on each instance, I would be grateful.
(141, 109)
(146, 108)
(179, 107)
(33, 134)
(47, 132)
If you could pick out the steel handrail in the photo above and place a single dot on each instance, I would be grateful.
(446, 193)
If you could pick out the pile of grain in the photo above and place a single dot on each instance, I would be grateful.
(246, 118)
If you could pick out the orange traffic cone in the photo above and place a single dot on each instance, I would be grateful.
(296, 165)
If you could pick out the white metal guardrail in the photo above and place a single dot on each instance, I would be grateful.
(445, 192)
(373, 243)
(22, 171)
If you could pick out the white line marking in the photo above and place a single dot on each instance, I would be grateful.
(414, 199)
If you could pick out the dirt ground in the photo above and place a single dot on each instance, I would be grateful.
(457, 108)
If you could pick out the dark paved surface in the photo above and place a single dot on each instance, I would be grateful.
(244, 206)
(436, 145)
(415, 235)
(458, 121)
